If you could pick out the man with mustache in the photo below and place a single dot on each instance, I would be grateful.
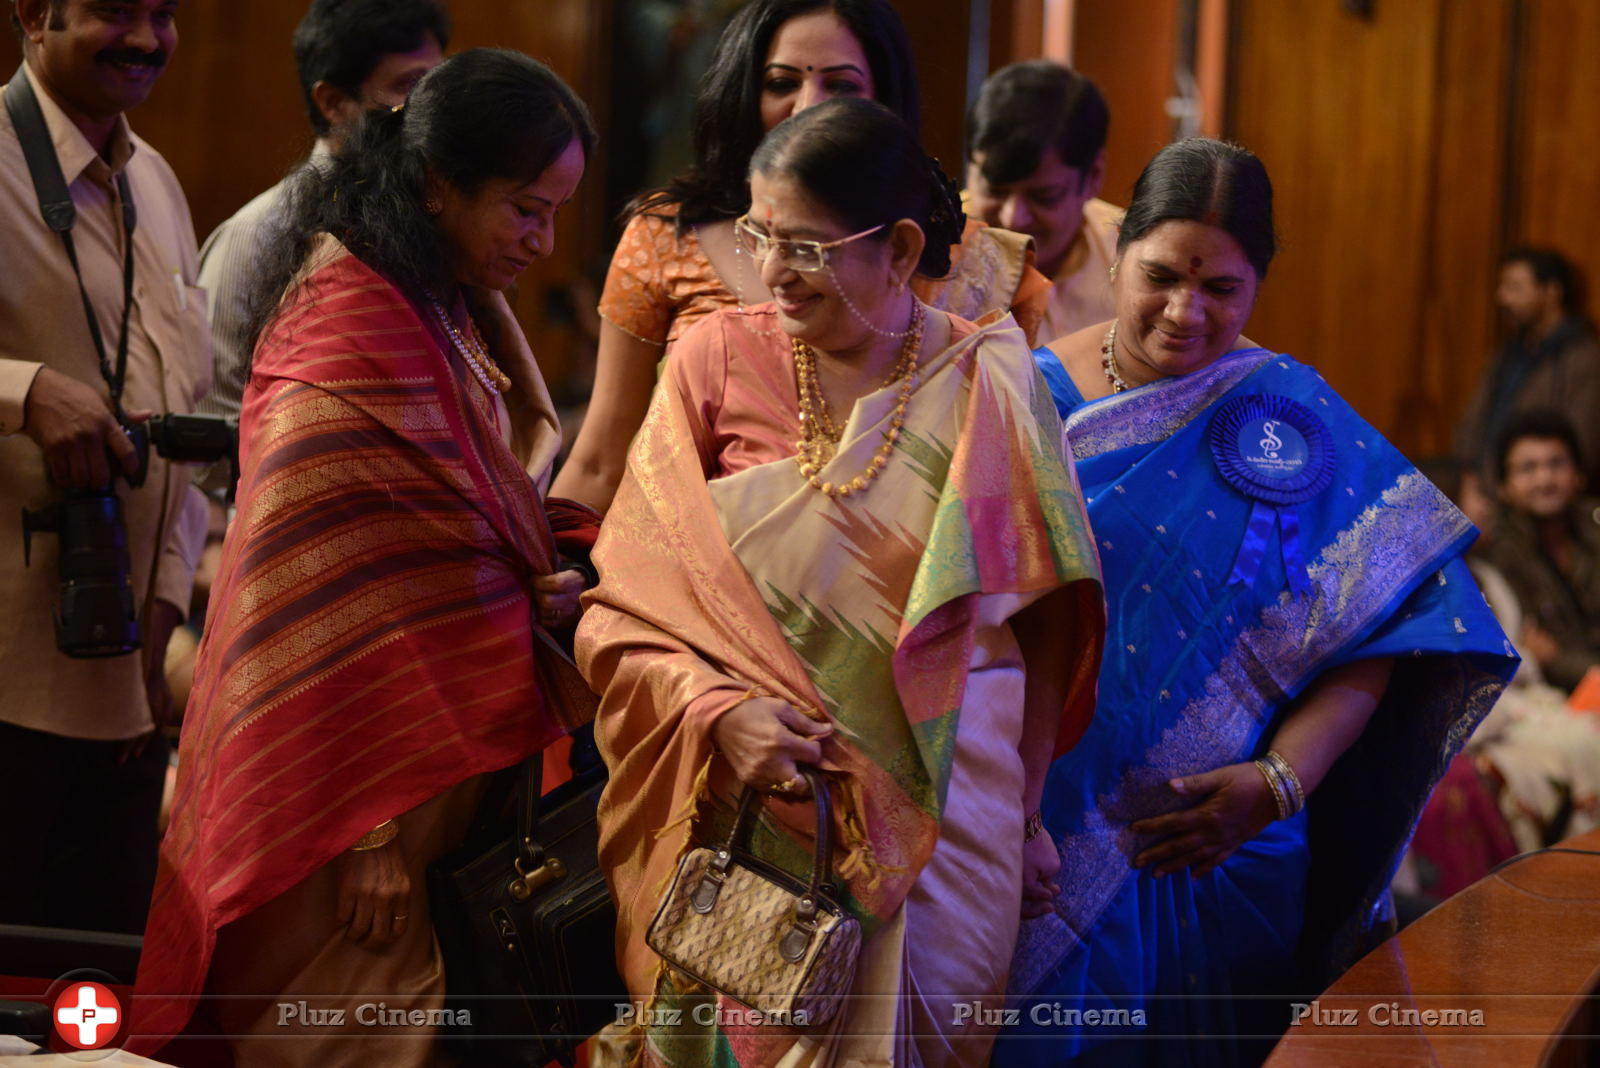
(352, 56)
(81, 762)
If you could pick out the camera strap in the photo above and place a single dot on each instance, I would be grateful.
(55, 204)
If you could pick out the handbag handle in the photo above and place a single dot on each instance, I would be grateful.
(794, 943)
(528, 810)
(532, 776)
(822, 859)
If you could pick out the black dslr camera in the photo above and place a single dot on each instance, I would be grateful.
(97, 615)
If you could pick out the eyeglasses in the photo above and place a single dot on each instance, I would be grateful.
(795, 255)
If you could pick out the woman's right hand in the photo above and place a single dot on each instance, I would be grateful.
(765, 739)
(374, 894)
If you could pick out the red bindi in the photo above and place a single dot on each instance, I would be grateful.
(1195, 263)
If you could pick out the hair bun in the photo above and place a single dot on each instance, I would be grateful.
(947, 219)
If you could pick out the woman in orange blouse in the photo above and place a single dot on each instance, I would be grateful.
(677, 259)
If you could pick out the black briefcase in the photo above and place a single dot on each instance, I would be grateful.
(527, 925)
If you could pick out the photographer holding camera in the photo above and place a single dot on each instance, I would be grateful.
(100, 329)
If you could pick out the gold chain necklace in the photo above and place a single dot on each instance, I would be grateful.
(475, 352)
(819, 434)
(1108, 360)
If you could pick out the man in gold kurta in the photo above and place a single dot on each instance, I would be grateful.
(75, 749)
(1035, 162)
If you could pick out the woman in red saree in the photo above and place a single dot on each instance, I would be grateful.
(376, 640)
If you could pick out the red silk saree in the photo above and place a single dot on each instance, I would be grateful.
(372, 640)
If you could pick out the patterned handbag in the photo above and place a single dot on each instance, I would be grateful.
(757, 934)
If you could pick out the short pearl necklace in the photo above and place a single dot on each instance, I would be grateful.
(1108, 361)
(819, 434)
(474, 352)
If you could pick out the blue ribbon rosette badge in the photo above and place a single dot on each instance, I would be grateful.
(1279, 454)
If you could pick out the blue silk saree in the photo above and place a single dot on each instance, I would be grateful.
(1201, 664)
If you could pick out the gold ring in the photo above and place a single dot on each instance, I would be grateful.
(782, 787)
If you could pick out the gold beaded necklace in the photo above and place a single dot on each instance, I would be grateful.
(820, 434)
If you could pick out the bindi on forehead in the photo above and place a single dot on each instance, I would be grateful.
(1195, 263)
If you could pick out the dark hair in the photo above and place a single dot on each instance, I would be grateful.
(1546, 424)
(57, 18)
(1029, 107)
(863, 162)
(1548, 267)
(481, 115)
(341, 42)
(1213, 182)
(727, 108)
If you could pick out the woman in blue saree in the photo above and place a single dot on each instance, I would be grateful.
(1290, 619)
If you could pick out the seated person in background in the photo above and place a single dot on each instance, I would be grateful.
(1534, 758)
(1547, 543)
(1550, 360)
(1035, 160)
(351, 55)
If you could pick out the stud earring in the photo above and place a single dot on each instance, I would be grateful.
(432, 206)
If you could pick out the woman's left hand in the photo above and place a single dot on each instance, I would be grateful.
(556, 598)
(1231, 806)
(1040, 863)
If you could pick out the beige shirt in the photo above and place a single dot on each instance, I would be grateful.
(169, 367)
(1080, 293)
(229, 261)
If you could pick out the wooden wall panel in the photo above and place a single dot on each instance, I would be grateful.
(1558, 167)
(1017, 31)
(938, 32)
(1455, 336)
(1342, 111)
(1405, 153)
(1129, 51)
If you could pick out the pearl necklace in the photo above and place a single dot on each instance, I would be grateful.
(1108, 361)
(819, 434)
(474, 352)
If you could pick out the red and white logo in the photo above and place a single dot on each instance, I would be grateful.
(87, 1015)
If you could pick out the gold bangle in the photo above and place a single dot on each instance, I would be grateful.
(1291, 781)
(379, 836)
(1270, 773)
(1033, 826)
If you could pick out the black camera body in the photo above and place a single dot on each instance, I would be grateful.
(97, 616)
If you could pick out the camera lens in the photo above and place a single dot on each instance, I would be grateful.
(97, 615)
